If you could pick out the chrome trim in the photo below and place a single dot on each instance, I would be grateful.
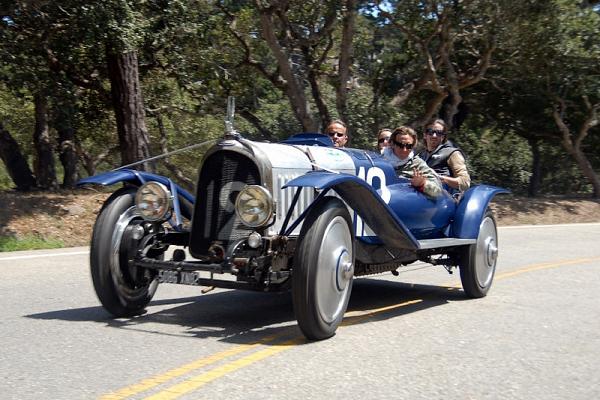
(449, 242)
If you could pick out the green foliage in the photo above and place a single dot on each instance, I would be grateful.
(16, 114)
(6, 182)
(496, 158)
(191, 60)
(8, 243)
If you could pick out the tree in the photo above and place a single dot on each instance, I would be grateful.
(68, 34)
(15, 162)
(556, 69)
(452, 43)
(302, 42)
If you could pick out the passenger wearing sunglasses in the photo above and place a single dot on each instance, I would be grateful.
(446, 159)
(338, 133)
(383, 139)
(408, 165)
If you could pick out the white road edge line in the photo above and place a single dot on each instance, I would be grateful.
(549, 226)
(87, 252)
(74, 253)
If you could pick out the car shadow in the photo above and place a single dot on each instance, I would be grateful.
(245, 317)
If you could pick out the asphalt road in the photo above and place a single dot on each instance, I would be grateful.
(535, 336)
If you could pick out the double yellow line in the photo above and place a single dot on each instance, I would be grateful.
(200, 380)
(276, 343)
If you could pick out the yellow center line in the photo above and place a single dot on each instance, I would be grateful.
(350, 318)
(537, 267)
(156, 380)
(198, 381)
(354, 317)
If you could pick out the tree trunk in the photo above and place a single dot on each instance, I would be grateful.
(15, 162)
(572, 143)
(292, 88)
(588, 171)
(128, 105)
(45, 170)
(64, 124)
(536, 169)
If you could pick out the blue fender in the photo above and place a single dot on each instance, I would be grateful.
(471, 209)
(134, 177)
(138, 178)
(367, 203)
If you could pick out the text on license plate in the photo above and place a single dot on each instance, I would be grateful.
(182, 278)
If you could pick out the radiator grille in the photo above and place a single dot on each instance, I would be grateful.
(223, 175)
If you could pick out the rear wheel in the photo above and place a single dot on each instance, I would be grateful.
(478, 261)
(122, 289)
(323, 269)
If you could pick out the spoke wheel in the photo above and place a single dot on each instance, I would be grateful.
(478, 261)
(323, 269)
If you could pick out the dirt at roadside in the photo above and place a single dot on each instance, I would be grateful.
(70, 215)
(65, 215)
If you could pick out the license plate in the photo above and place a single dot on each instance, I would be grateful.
(181, 278)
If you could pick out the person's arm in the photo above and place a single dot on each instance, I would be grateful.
(461, 179)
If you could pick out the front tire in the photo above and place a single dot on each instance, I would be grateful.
(323, 269)
(478, 261)
(124, 291)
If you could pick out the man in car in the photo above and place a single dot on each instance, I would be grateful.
(338, 132)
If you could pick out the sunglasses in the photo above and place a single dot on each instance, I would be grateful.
(430, 132)
(336, 134)
(407, 146)
(385, 139)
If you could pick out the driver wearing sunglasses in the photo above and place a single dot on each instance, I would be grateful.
(408, 165)
(338, 133)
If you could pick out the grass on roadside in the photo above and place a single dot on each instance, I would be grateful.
(8, 243)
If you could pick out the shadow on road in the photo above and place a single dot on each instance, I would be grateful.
(245, 317)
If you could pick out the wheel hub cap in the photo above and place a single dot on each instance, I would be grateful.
(492, 252)
(345, 270)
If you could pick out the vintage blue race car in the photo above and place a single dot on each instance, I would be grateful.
(299, 215)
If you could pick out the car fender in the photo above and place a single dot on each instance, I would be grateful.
(471, 210)
(134, 177)
(138, 178)
(366, 202)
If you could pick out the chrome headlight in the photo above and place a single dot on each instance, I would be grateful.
(153, 201)
(254, 206)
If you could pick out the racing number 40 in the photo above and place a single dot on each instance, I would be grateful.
(375, 177)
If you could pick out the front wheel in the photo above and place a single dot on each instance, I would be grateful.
(123, 290)
(478, 261)
(323, 269)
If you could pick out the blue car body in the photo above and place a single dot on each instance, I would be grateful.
(326, 215)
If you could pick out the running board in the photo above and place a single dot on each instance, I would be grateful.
(449, 242)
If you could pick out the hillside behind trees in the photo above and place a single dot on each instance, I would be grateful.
(89, 86)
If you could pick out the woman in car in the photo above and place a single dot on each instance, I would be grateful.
(408, 165)
(446, 159)
(383, 139)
